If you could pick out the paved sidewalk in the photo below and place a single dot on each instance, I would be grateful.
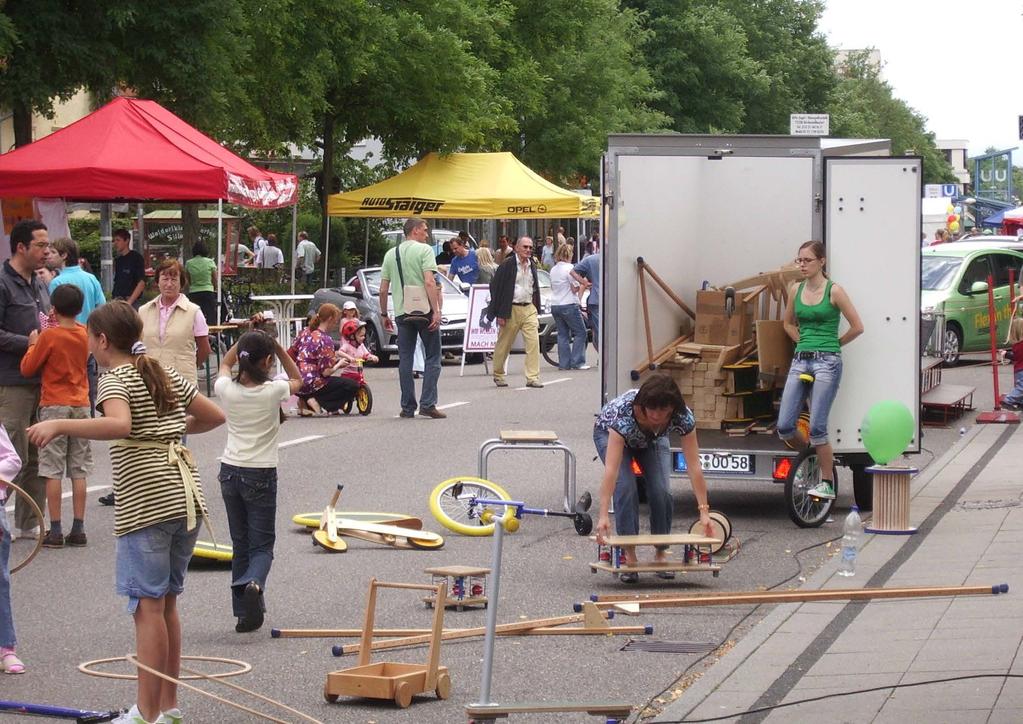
(968, 507)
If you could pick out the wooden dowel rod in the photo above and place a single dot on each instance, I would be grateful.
(414, 586)
(667, 290)
(837, 594)
(646, 318)
(577, 631)
(461, 634)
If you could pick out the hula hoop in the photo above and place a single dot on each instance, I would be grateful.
(39, 513)
(87, 667)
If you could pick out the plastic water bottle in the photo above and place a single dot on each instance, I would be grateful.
(851, 542)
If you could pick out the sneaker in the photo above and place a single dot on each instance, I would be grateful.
(53, 540)
(106, 499)
(432, 412)
(824, 490)
(582, 367)
(500, 383)
(1010, 406)
(534, 383)
(171, 716)
(132, 716)
(407, 414)
(75, 539)
(30, 533)
(630, 577)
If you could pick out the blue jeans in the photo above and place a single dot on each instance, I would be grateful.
(827, 372)
(656, 464)
(1016, 396)
(593, 311)
(407, 335)
(7, 638)
(151, 561)
(250, 497)
(571, 335)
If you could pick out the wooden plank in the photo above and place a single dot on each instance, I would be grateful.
(662, 355)
(835, 594)
(783, 274)
(697, 348)
(495, 711)
(946, 395)
(528, 436)
(469, 633)
(664, 539)
(457, 571)
(656, 567)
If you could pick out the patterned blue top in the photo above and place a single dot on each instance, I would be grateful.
(617, 415)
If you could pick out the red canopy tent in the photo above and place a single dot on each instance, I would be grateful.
(136, 150)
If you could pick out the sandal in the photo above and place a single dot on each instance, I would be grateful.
(10, 662)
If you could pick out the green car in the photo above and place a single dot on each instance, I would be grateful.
(954, 282)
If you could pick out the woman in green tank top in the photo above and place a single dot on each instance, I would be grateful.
(816, 305)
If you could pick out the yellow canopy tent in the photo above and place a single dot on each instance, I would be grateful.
(465, 186)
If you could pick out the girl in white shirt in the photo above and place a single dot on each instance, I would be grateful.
(565, 310)
(248, 471)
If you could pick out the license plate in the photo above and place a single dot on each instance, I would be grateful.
(729, 464)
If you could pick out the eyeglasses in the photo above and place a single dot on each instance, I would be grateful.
(41, 244)
(800, 261)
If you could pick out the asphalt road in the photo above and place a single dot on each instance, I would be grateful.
(66, 611)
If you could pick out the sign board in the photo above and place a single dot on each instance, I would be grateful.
(941, 191)
(809, 124)
(480, 333)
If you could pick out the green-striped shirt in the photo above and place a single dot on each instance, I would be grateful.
(148, 489)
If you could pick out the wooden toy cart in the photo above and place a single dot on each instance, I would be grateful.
(467, 585)
(387, 679)
(696, 557)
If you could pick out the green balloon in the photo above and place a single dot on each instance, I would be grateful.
(887, 429)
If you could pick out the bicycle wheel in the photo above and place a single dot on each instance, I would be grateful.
(364, 400)
(449, 503)
(805, 510)
(549, 345)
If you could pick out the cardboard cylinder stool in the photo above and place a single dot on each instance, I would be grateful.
(891, 500)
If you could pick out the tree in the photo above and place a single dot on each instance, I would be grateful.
(864, 106)
(573, 73)
(736, 66)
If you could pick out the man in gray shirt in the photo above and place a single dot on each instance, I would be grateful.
(587, 273)
(23, 300)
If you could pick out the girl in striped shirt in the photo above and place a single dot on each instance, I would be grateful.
(146, 410)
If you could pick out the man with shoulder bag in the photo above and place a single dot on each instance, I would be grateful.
(417, 309)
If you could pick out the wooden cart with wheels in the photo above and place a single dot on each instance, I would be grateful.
(387, 679)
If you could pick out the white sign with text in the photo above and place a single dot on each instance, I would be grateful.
(809, 124)
(480, 333)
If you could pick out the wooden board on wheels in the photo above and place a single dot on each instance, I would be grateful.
(697, 554)
(312, 520)
(390, 535)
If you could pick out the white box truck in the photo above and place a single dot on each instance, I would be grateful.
(719, 208)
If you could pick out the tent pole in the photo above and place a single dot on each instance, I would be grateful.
(294, 243)
(326, 254)
(220, 256)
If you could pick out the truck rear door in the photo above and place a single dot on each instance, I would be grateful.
(872, 235)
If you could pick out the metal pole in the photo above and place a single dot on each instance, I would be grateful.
(491, 623)
(294, 243)
(365, 256)
(106, 249)
(220, 256)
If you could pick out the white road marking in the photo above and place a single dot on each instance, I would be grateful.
(450, 405)
(546, 382)
(299, 440)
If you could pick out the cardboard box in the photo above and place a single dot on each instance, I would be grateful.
(715, 326)
(774, 352)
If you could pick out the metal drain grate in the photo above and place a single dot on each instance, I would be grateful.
(669, 647)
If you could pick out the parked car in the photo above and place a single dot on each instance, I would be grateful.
(364, 290)
(954, 283)
(439, 236)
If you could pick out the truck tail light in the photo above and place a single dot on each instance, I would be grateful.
(782, 468)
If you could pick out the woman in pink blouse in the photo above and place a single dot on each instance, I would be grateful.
(314, 352)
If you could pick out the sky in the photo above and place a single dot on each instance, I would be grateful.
(957, 64)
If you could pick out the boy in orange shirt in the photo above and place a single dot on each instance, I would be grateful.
(62, 353)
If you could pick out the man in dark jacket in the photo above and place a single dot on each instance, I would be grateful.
(515, 303)
(23, 298)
